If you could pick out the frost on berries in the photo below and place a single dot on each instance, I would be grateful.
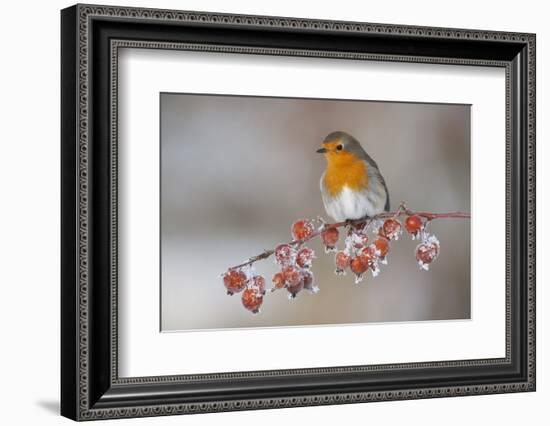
(234, 281)
(291, 276)
(391, 229)
(278, 281)
(284, 254)
(258, 283)
(294, 280)
(302, 229)
(362, 254)
(383, 246)
(252, 300)
(359, 253)
(304, 257)
(342, 261)
(295, 264)
(427, 251)
(373, 256)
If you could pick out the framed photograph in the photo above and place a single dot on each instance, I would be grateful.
(263, 212)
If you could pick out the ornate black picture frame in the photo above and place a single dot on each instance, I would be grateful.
(91, 387)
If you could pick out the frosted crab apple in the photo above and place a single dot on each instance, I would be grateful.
(413, 224)
(342, 261)
(427, 251)
(284, 254)
(234, 281)
(304, 257)
(302, 229)
(330, 238)
(391, 229)
(252, 300)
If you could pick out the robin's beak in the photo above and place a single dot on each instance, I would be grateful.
(321, 150)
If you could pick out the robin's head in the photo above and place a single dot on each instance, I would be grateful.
(341, 148)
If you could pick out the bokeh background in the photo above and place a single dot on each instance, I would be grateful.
(237, 171)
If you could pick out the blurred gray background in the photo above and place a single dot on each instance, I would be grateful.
(237, 171)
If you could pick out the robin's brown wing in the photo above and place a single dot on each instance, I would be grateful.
(387, 206)
(374, 168)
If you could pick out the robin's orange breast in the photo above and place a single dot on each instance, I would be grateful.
(345, 169)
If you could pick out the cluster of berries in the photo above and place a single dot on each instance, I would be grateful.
(295, 259)
(428, 248)
(252, 287)
(359, 255)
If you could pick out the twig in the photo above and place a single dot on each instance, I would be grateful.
(401, 210)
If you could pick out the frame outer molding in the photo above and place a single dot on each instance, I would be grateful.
(75, 401)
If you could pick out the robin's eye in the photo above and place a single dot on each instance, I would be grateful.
(339, 147)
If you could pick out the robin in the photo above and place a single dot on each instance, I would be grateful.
(352, 185)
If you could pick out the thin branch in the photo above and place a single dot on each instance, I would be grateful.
(402, 210)
(253, 259)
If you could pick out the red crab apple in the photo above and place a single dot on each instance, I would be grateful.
(359, 264)
(304, 257)
(391, 229)
(258, 284)
(252, 300)
(294, 280)
(427, 251)
(413, 224)
(383, 246)
(309, 281)
(278, 281)
(234, 281)
(302, 229)
(370, 253)
(283, 254)
(330, 238)
(291, 275)
(342, 261)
